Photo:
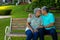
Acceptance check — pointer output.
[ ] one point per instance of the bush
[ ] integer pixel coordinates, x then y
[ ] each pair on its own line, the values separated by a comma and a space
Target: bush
40, 3
5, 10
32, 6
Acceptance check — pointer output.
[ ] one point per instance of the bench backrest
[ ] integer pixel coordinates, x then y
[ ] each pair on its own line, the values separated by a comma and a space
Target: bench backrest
20, 23
57, 23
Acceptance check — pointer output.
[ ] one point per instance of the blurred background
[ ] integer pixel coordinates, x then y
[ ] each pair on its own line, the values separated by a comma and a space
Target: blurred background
21, 9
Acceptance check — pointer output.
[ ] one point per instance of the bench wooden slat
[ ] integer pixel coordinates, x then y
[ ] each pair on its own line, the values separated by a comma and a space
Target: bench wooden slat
19, 19
18, 28
16, 35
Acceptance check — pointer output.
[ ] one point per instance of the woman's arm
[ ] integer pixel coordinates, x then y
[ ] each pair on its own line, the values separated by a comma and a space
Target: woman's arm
28, 25
40, 27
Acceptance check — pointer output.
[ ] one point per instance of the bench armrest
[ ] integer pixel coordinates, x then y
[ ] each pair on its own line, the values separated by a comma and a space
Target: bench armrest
7, 30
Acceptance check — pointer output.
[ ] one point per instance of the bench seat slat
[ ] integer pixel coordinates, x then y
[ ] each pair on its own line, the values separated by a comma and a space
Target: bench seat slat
16, 35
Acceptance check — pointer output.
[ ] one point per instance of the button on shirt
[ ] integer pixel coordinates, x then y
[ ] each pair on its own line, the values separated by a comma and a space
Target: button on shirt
48, 19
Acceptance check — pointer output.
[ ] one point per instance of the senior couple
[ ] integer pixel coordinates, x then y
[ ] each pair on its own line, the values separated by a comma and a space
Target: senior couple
40, 24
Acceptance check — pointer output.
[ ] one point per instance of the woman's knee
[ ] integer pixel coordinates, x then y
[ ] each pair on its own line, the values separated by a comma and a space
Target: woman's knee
35, 33
29, 33
35, 36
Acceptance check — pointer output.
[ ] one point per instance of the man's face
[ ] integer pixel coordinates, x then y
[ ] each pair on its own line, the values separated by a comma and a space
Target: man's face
43, 11
38, 13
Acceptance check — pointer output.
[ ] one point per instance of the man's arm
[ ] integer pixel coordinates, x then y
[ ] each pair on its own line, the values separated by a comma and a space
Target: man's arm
52, 24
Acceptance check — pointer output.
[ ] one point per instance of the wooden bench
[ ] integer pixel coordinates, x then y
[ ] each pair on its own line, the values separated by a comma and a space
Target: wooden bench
20, 24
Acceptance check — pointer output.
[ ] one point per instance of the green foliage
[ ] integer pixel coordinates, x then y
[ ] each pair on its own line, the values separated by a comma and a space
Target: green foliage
5, 12
40, 3
58, 4
15, 1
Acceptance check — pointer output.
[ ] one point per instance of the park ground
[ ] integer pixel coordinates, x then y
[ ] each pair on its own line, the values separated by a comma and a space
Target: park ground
19, 12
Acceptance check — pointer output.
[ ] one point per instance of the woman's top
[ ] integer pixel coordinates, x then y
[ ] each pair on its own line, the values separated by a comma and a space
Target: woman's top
34, 22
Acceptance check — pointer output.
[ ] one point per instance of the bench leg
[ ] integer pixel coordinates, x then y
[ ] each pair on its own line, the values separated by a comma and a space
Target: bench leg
5, 37
9, 38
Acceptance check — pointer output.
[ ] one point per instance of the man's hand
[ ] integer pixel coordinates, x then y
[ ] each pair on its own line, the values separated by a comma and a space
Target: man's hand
50, 25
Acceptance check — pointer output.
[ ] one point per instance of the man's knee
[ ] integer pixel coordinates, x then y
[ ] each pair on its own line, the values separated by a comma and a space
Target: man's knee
41, 30
53, 31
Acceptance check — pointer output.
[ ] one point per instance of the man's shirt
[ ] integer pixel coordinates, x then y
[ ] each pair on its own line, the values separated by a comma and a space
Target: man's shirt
48, 19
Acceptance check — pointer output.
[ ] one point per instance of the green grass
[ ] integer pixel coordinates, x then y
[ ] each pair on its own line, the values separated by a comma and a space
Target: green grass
18, 12
3, 24
23, 38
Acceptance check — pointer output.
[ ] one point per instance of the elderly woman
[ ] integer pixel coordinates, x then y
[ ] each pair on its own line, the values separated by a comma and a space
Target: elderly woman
33, 23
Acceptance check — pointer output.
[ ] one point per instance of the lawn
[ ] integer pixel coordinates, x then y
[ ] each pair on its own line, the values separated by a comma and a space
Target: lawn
17, 12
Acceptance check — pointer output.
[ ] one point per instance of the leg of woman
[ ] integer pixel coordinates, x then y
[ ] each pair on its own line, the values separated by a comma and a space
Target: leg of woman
41, 34
53, 33
35, 36
29, 34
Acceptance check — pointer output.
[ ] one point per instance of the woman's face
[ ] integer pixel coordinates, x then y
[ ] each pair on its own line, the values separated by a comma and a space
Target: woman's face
38, 13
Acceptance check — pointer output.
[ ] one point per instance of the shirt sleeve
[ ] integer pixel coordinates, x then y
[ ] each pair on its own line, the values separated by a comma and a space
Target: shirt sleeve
28, 19
52, 18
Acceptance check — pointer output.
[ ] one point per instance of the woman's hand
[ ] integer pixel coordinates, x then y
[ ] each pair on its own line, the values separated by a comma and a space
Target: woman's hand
40, 27
32, 30
28, 24
35, 30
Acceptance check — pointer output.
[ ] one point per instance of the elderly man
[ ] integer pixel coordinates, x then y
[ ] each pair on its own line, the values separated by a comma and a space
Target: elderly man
48, 26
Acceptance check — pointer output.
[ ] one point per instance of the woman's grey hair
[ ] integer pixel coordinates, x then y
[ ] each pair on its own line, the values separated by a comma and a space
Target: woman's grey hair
36, 9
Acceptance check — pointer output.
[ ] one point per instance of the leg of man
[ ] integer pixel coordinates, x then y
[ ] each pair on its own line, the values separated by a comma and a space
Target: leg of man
53, 33
29, 34
41, 34
35, 36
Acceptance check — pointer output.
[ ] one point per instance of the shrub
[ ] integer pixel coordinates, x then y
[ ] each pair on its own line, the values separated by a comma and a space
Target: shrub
40, 3
5, 10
